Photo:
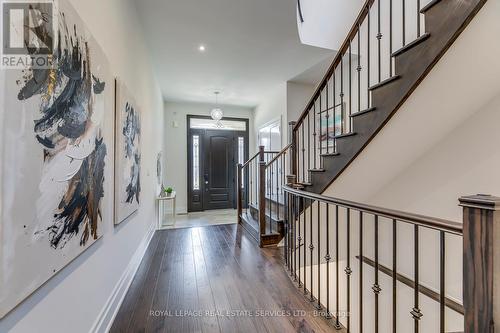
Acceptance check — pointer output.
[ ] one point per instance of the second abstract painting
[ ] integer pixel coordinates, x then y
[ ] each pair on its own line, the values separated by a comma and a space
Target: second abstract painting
127, 154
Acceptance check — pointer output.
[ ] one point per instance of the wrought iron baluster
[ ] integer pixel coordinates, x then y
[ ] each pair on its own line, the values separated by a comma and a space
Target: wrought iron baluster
327, 259
416, 313
376, 287
442, 279
348, 270
394, 276
337, 259
361, 272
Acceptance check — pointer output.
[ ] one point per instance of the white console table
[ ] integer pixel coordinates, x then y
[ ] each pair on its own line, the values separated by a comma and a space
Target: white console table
161, 211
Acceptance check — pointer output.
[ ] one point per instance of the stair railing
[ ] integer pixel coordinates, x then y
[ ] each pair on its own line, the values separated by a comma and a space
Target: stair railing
275, 179
364, 61
336, 248
252, 185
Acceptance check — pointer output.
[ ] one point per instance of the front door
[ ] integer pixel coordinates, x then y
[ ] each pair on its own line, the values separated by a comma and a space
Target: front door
218, 176
212, 158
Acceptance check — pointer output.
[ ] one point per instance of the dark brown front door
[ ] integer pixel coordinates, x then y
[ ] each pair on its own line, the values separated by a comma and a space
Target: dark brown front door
212, 158
218, 176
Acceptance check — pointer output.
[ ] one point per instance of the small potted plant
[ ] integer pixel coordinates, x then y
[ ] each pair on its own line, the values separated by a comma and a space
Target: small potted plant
168, 191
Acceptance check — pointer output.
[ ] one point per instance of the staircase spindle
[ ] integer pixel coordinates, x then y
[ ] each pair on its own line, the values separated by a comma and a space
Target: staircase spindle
350, 86
299, 238
337, 259
342, 118
442, 279
327, 259
318, 305
327, 117
416, 313
314, 135
394, 276
379, 38
390, 38
403, 5
418, 18
360, 272
348, 270
304, 220
376, 287
358, 68
311, 246
368, 59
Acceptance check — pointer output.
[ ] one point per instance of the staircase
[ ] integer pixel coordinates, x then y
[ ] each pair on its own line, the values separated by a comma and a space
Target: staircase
364, 88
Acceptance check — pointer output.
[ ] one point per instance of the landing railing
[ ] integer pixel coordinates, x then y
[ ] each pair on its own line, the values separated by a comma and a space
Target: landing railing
254, 185
364, 61
275, 179
384, 270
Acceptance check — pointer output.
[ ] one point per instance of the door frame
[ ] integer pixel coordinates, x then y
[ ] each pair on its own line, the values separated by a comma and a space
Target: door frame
201, 132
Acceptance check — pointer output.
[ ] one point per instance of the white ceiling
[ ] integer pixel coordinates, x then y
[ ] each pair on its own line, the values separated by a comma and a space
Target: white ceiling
251, 46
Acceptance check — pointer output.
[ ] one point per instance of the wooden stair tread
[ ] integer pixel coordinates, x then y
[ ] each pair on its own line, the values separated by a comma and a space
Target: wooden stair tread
411, 44
359, 113
429, 6
384, 82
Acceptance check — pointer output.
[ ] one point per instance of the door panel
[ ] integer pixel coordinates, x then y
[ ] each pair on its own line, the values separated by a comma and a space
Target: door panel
219, 170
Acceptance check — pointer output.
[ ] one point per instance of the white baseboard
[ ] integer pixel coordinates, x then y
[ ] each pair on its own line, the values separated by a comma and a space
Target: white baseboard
108, 313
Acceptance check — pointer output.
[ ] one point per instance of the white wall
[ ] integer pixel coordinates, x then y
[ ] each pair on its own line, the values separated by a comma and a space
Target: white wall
272, 107
73, 299
298, 95
327, 22
175, 170
286, 101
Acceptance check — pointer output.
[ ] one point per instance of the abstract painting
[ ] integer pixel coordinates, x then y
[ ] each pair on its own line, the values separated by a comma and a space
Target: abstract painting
56, 133
127, 155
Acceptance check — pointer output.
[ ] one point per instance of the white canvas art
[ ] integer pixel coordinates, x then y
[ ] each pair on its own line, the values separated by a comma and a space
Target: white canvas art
127, 155
56, 141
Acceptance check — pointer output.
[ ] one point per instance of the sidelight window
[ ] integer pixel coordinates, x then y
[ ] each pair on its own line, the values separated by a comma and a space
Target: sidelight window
196, 162
241, 155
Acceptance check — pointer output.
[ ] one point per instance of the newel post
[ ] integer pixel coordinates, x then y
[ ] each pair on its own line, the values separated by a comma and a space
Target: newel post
262, 192
239, 193
481, 262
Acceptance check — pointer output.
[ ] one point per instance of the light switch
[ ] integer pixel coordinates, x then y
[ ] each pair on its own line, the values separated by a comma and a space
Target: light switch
175, 124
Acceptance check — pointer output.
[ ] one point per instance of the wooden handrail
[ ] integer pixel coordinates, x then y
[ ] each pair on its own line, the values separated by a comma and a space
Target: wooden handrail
343, 49
250, 160
425, 221
283, 151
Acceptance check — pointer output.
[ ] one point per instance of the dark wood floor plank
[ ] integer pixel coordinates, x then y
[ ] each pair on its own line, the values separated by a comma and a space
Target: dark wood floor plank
141, 313
218, 280
158, 306
206, 303
218, 270
124, 315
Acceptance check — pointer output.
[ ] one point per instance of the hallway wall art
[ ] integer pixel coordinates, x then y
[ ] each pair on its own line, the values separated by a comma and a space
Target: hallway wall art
128, 154
56, 141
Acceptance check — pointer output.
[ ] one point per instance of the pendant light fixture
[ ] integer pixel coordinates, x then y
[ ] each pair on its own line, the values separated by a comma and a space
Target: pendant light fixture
217, 113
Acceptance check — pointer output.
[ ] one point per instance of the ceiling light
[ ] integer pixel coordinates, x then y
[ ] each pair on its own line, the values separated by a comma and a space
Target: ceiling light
201, 48
217, 112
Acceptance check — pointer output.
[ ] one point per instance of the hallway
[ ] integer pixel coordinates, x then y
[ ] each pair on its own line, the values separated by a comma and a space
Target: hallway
213, 279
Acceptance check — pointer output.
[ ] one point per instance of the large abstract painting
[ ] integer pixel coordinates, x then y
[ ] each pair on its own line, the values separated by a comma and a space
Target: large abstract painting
127, 155
56, 132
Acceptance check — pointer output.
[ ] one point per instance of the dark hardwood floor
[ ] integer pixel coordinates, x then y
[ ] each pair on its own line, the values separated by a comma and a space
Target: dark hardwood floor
214, 279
